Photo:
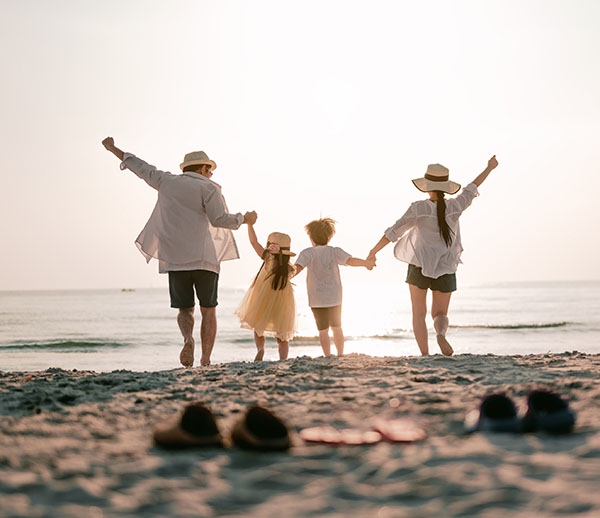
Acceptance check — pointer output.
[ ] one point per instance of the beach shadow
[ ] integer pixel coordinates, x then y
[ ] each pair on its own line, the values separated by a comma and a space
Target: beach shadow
55, 389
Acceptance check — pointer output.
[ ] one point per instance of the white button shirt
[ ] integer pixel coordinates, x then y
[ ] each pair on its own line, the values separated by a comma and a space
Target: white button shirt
189, 228
418, 234
323, 280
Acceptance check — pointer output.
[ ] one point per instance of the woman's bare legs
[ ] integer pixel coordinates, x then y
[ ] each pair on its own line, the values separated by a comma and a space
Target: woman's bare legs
418, 298
338, 340
439, 312
260, 347
325, 341
284, 349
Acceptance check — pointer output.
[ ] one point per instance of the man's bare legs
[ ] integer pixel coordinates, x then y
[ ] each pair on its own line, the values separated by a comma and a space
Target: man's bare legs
185, 321
439, 312
325, 341
208, 333
418, 298
338, 340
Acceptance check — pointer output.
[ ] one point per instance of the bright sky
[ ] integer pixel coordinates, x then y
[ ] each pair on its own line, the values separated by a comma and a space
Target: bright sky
312, 108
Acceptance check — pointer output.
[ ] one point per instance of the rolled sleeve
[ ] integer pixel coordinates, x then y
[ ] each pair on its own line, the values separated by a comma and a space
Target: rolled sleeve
152, 176
216, 210
397, 230
125, 157
468, 194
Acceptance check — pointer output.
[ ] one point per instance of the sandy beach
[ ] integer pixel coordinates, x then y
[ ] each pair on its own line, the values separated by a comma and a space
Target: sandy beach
76, 443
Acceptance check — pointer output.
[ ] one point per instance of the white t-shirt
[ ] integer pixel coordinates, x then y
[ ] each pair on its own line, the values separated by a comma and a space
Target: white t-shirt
323, 280
418, 235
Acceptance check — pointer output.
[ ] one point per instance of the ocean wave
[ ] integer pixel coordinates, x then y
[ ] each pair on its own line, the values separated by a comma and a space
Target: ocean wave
312, 340
61, 344
539, 325
296, 340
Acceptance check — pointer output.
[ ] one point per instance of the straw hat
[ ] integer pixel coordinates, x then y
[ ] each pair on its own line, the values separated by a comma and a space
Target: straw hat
197, 158
436, 179
277, 242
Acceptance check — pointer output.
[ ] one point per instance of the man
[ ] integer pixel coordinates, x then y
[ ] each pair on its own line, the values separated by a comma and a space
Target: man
189, 232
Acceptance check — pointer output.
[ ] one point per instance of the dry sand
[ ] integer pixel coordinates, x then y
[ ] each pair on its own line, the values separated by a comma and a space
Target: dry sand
79, 443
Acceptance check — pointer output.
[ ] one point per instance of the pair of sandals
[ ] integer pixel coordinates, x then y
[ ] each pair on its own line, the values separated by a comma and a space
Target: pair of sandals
258, 429
546, 411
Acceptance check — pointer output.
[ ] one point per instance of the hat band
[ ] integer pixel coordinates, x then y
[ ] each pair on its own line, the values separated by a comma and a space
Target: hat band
286, 248
436, 178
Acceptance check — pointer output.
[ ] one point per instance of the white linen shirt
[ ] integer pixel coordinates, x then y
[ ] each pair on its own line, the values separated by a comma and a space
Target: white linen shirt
323, 281
418, 235
189, 228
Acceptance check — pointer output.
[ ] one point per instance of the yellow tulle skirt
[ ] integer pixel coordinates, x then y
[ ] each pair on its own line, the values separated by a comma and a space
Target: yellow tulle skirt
267, 311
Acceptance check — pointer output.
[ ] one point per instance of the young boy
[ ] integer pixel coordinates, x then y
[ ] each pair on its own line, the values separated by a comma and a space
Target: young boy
323, 281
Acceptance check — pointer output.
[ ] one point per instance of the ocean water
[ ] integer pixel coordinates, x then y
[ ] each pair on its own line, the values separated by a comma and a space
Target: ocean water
106, 330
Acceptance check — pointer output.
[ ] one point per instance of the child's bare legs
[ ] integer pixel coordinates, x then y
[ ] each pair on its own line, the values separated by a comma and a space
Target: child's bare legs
338, 340
260, 347
439, 312
325, 341
185, 321
284, 349
418, 298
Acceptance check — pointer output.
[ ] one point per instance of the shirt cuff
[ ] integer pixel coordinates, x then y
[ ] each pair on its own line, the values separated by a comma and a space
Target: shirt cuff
125, 157
472, 187
391, 235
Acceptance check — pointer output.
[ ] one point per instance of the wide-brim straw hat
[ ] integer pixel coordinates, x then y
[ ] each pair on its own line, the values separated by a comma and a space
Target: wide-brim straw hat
436, 179
197, 158
283, 241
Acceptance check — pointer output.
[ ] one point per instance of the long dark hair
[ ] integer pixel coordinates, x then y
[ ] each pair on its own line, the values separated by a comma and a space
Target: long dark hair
280, 271
445, 230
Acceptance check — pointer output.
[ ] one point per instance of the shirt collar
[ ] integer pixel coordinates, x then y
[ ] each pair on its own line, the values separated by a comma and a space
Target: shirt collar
198, 176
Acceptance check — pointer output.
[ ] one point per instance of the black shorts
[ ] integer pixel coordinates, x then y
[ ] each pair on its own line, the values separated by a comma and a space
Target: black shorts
445, 283
182, 285
328, 317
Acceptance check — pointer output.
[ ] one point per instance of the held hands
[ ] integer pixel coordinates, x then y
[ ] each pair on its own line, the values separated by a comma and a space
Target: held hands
250, 217
370, 263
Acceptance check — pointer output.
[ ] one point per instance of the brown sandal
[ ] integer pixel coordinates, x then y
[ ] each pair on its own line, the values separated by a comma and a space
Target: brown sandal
196, 428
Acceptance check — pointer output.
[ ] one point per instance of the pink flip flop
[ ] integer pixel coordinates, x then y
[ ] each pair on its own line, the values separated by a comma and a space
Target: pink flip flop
400, 429
347, 436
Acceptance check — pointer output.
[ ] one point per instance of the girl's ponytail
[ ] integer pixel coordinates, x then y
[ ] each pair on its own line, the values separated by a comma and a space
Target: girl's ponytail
445, 230
280, 271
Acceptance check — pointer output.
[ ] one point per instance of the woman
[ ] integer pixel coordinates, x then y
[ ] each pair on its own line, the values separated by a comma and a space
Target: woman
428, 238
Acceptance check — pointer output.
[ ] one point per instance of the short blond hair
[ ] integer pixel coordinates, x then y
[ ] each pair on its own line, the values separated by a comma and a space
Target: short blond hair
321, 230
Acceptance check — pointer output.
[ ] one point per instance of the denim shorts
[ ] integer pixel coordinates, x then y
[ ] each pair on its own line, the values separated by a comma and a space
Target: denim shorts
446, 283
182, 285
328, 317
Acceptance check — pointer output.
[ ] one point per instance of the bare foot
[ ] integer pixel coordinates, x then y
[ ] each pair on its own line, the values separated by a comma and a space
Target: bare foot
259, 355
445, 347
186, 356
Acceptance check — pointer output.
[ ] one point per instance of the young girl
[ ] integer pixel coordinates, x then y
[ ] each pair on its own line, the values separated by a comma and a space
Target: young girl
268, 307
428, 238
